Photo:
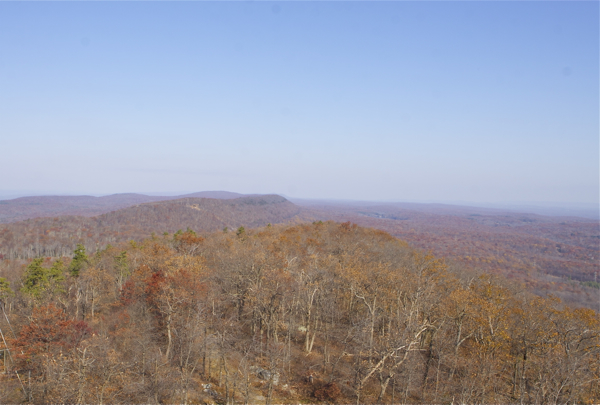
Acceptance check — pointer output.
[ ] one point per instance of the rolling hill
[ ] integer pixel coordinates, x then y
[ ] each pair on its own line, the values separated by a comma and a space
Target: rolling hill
23, 208
58, 236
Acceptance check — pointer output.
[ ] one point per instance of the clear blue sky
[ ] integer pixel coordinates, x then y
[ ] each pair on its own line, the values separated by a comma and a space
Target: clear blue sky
434, 101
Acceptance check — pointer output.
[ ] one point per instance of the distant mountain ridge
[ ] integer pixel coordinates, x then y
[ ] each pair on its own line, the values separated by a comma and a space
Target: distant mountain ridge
202, 214
23, 208
57, 236
219, 195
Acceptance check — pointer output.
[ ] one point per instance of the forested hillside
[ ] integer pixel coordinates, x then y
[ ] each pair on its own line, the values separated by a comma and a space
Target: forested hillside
20, 209
550, 255
321, 312
58, 236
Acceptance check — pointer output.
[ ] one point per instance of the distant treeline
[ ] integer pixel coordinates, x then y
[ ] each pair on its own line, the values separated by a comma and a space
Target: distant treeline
58, 236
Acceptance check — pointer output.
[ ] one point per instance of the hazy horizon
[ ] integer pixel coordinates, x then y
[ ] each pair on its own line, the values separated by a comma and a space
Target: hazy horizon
553, 208
472, 102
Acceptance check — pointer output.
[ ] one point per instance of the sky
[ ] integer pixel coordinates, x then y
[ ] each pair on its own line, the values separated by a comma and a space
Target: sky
480, 102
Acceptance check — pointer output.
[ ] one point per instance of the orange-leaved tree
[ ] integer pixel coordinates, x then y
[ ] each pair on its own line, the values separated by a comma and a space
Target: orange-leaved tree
43, 348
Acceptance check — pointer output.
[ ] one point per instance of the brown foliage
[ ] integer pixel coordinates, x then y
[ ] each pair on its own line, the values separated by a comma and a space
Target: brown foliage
328, 393
374, 319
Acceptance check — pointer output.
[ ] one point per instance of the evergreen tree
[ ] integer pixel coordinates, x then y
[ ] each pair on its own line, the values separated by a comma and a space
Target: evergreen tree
36, 278
80, 260
5, 290
39, 278
55, 276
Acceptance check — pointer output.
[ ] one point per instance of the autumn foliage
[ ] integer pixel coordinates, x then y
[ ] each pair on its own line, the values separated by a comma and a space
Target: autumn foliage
325, 312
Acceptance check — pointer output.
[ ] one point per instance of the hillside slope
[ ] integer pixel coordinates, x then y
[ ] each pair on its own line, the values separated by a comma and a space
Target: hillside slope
58, 236
20, 209
551, 255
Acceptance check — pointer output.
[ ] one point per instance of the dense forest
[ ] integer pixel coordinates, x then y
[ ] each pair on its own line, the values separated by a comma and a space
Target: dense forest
324, 312
58, 236
550, 255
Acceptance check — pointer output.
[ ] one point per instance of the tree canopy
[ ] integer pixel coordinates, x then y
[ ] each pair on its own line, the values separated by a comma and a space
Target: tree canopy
322, 312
